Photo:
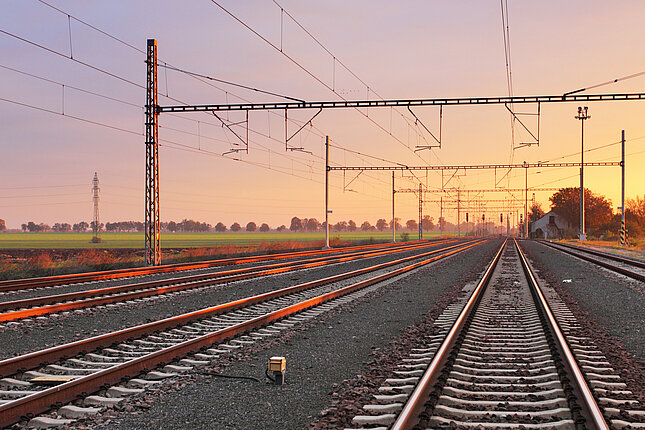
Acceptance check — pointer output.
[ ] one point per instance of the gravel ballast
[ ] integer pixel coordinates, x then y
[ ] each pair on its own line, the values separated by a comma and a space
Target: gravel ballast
607, 305
324, 357
23, 336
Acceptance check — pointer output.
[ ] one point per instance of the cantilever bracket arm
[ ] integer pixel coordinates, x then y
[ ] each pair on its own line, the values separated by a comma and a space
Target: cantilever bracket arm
287, 139
516, 117
349, 183
418, 121
229, 127
443, 184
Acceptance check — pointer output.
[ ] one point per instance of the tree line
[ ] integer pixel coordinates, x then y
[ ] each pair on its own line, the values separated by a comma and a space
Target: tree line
312, 225
189, 225
600, 219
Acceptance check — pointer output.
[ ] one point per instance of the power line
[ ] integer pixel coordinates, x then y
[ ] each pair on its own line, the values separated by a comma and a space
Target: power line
94, 28
196, 76
83, 63
307, 71
22, 72
53, 51
113, 127
613, 81
210, 78
42, 186
334, 57
41, 195
89, 121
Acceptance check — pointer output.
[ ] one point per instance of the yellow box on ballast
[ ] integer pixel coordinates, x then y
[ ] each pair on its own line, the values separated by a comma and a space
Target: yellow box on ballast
277, 364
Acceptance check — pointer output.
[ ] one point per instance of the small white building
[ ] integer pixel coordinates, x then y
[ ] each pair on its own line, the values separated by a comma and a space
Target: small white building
550, 226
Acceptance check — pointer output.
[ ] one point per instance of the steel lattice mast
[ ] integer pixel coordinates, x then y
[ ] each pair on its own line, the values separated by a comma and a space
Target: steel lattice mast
152, 224
95, 197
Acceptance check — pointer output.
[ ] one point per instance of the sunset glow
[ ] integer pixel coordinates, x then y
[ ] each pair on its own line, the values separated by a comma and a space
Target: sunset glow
72, 104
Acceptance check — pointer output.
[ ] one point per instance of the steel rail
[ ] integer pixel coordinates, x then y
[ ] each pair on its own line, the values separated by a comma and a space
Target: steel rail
83, 299
42, 401
28, 283
608, 255
415, 404
28, 361
408, 417
584, 396
41, 300
606, 265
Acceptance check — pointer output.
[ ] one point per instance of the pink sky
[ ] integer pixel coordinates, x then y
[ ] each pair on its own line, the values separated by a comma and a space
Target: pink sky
420, 50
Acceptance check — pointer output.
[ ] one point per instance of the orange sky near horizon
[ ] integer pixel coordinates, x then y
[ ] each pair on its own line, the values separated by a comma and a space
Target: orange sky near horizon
422, 50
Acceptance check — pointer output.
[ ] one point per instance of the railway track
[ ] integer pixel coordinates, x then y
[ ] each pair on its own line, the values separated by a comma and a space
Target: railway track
76, 278
86, 366
503, 357
630, 267
13, 310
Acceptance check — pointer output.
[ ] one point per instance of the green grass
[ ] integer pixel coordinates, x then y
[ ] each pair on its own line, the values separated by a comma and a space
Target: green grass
179, 240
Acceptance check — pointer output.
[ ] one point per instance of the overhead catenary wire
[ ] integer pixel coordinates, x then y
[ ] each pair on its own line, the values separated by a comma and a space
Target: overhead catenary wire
602, 84
358, 154
138, 133
307, 71
80, 89
337, 60
76, 60
222, 81
83, 90
165, 64
96, 68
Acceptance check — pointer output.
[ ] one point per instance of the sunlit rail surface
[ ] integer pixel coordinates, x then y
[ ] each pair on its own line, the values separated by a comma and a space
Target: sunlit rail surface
46, 304
630, 267
504, 357
93, 363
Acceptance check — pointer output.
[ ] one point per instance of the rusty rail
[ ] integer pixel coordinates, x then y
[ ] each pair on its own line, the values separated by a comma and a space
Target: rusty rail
585, 399
83, 299
634, 275
39, 402
415, 404
74, 278
408, 417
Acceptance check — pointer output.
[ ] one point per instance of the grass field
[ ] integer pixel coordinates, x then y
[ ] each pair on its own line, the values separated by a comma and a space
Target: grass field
179, 240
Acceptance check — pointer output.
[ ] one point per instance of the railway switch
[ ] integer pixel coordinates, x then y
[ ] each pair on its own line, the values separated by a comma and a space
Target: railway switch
277, 366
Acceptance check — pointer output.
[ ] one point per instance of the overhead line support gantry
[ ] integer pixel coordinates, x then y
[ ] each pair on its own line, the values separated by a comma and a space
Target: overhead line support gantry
152, 220
403, 102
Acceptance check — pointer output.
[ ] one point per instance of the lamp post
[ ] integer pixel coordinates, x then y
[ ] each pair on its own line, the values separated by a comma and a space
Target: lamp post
582, 116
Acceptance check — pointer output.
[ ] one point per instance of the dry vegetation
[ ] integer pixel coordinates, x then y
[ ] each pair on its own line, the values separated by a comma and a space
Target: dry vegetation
18, 263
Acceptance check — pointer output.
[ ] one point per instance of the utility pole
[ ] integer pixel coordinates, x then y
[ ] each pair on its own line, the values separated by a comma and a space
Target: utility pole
95, 197
526, 202
393, 219
582, 116
420, 212
623, 227
326, 193
441, 217
152, 221
458, 217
